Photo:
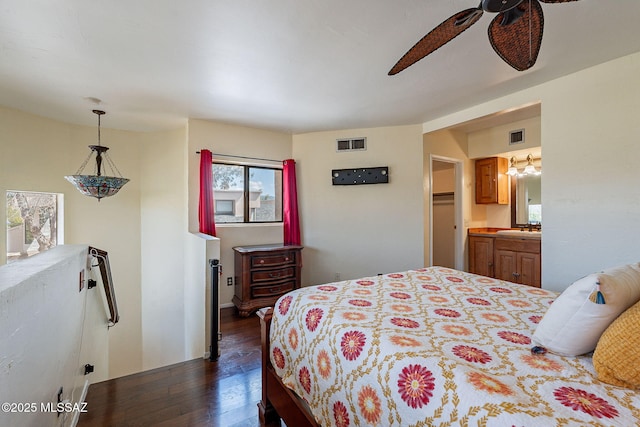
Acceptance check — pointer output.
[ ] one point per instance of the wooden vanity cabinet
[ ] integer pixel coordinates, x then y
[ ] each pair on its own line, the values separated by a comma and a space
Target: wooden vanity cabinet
518, 261
481, 255
263, 273
492, 182
514, 259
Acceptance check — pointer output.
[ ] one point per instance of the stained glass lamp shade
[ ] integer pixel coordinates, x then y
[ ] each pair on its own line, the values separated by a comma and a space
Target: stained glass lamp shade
98, 185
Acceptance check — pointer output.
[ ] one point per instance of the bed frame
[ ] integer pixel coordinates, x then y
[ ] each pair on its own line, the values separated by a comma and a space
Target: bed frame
278, 402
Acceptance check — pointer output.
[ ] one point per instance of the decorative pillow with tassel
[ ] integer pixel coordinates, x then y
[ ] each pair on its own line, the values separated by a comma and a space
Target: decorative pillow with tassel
575, 321
617, 359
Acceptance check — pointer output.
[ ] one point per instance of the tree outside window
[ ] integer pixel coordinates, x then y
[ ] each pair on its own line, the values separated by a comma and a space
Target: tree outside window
32, 223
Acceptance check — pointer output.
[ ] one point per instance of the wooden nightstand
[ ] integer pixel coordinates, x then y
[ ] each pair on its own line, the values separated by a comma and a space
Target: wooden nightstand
263, 273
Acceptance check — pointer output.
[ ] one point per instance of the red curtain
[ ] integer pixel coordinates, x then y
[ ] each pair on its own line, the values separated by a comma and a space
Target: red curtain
205, 205
290, 201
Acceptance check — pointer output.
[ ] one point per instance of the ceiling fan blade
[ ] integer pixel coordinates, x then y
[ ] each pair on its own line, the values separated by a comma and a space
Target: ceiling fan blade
437, 37
556, 1
518, 43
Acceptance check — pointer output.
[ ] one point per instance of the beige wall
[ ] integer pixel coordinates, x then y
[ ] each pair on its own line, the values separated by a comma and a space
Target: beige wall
444, 180
173, 293
589, 134
494, 141
237, 141
37, 153
360, 230
453, 145
143, 228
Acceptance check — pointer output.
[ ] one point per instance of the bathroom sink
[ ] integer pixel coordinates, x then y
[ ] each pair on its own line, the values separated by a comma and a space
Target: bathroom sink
519, 233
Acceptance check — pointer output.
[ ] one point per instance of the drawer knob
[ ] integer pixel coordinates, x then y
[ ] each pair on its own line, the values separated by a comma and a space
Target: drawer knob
286, 258
261, 261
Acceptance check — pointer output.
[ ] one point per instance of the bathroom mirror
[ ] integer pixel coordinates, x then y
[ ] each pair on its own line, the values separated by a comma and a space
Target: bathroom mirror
526, 201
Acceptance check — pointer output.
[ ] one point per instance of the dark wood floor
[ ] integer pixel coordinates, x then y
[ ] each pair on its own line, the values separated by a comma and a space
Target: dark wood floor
194, 393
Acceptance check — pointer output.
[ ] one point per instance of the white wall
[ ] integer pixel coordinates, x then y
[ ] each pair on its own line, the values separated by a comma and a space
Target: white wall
589, 134
590, 191
360, 230
49, 329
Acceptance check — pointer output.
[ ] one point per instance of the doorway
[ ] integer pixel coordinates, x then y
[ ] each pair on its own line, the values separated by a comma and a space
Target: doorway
445, 208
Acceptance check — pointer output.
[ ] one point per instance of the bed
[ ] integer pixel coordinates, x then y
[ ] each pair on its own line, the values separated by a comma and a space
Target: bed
426, 347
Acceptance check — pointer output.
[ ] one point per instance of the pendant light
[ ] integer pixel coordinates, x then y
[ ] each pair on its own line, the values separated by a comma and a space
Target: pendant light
98, 185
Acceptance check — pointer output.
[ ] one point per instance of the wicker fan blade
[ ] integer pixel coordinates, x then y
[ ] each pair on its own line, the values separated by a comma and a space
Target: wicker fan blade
519, 42
437, 37
556, 1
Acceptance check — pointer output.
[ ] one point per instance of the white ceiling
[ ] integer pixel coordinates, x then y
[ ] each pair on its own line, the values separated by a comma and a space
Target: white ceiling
290, 65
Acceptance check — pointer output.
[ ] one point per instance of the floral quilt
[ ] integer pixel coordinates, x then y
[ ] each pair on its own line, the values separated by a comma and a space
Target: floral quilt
434, 347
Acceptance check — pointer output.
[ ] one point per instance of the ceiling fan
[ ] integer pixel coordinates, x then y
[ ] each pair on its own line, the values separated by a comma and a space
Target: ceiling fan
515, 33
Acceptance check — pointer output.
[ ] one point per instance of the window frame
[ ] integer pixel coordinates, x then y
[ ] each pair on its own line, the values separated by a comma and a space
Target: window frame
246, 192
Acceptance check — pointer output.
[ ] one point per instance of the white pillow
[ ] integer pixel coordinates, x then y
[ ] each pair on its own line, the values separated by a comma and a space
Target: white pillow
574, 322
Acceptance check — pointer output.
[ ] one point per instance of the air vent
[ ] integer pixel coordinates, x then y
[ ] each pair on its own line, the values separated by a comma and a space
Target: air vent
352, 144
516, 137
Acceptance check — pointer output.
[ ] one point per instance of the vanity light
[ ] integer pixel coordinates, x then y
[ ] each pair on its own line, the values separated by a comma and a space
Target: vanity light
530, 169
513, 170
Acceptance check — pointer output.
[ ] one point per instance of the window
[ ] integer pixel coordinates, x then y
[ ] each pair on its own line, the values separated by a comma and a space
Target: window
33, 223
224, 207
535, 214
246, 194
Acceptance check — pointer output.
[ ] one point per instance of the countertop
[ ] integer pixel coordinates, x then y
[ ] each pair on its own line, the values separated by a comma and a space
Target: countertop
512, 234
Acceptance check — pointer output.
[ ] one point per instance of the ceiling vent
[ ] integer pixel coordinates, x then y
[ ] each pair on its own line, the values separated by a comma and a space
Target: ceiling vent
352, 144
516, 136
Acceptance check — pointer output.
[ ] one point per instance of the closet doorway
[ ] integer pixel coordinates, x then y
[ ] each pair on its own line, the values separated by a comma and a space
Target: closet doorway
446, 212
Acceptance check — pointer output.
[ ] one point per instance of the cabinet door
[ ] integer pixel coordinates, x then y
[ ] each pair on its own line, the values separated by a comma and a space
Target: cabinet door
507, 265
481, 255
492, 183
529, 269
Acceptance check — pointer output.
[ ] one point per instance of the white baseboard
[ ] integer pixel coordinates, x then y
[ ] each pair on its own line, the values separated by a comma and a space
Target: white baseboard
83, 396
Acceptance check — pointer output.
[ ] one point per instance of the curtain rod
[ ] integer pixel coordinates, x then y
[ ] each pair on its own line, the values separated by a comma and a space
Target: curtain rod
244, 157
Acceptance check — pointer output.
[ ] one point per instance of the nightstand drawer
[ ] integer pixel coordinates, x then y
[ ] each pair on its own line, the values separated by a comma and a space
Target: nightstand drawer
263, 273
268, 260
269, 291
271, 275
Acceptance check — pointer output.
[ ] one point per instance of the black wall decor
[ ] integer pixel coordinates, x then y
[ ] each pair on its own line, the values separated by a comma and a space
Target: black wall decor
379, 175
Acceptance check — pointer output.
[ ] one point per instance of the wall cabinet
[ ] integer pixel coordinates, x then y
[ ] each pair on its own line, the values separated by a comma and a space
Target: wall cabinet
263, 273
514, 259
492, 182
